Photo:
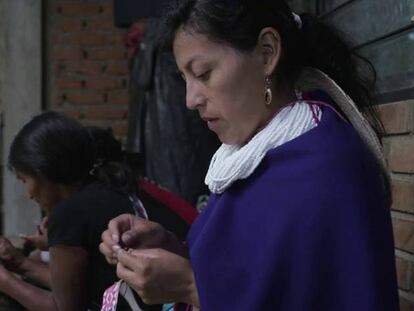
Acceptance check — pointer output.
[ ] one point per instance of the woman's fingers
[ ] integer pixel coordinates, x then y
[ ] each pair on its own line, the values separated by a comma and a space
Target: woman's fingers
37, 240
11, 256
30, 237
129, 231
126, 270
43, 226
137, 269
119, 225
107, 238
133, 259
157, 275
107, 247
6, 248
110, 256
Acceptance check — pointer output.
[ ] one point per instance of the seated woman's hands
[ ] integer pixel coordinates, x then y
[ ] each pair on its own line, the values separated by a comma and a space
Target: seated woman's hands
131, 232
39, 238
11, 257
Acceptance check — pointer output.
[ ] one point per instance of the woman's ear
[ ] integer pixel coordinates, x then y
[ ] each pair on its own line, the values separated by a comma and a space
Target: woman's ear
269, 47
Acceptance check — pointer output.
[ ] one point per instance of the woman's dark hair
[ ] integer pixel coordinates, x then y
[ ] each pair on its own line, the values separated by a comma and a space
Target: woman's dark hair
63, 151
238, 23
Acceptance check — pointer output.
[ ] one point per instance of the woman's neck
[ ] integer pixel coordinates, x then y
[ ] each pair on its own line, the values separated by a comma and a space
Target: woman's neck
278, 103
66, 191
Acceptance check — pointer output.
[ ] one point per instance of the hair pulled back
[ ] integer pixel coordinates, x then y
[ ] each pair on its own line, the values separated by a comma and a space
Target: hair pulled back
238, 24
63, 151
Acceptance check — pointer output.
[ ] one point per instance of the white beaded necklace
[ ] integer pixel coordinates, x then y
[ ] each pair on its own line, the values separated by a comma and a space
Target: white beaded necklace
234, 162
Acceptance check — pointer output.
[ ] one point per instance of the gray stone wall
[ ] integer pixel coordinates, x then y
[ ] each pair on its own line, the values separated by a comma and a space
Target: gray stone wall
20, 98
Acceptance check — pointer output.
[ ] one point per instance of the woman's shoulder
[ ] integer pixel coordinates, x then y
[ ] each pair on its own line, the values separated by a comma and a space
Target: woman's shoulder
88, 211
95, 196
328, 165
333, 147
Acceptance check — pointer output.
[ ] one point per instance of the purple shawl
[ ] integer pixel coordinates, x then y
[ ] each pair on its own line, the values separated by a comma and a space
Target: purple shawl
309, 230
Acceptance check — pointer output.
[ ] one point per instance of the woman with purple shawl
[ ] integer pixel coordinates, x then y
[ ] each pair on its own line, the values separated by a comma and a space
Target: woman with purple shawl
298, 218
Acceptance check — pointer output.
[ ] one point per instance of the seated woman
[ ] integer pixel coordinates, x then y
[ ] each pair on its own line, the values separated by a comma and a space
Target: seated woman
76, 176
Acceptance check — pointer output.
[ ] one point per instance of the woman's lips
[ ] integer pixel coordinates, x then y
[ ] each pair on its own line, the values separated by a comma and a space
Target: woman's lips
211, 122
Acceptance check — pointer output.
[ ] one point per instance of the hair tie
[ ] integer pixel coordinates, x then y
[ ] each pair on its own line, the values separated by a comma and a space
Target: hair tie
98, 164
298, 20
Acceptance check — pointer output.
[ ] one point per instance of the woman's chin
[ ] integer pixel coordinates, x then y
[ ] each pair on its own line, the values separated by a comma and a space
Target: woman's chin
231, 140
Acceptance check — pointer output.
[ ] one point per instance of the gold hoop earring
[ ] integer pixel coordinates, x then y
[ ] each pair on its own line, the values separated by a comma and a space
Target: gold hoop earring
268, 96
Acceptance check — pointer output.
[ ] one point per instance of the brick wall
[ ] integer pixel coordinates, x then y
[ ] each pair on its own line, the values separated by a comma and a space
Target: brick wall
398, 119
87, 63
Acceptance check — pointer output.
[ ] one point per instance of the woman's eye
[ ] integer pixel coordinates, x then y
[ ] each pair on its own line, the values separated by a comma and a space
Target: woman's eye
204, 76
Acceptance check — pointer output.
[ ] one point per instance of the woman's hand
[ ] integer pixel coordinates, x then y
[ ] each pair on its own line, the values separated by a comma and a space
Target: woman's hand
131, 232
38, 239
10, 256
158, 276
5, 276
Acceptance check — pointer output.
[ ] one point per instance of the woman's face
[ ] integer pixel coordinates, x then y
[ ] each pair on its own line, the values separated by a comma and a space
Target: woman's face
224, 85
44, 192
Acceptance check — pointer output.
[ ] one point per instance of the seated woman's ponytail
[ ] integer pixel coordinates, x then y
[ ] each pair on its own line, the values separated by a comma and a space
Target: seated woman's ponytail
108, 165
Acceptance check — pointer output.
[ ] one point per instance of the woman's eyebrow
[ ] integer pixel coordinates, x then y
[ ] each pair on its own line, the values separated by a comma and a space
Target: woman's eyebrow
190, 63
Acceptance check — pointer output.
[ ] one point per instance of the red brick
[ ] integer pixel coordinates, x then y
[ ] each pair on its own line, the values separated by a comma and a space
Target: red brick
78, 8
118, 68
103, 84
69, 84
106, 114
403, 195
86, 38
100, 24
63, 53
402, 273
118, 97
76, 114
107, 9
57, 101
84, 67
103, 53
401, 154
120, 130
84, 98
54, 37
398, 117
404, 234
71, 24
105, 124
117, 39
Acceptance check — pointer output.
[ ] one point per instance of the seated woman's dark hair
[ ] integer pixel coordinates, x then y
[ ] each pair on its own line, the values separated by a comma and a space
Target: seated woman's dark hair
237, 23
63, 151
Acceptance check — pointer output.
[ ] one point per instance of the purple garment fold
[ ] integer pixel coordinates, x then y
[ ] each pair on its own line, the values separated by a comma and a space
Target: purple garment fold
309, 230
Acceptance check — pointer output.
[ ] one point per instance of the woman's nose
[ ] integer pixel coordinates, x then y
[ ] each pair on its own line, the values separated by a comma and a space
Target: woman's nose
30, 193
194, 96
